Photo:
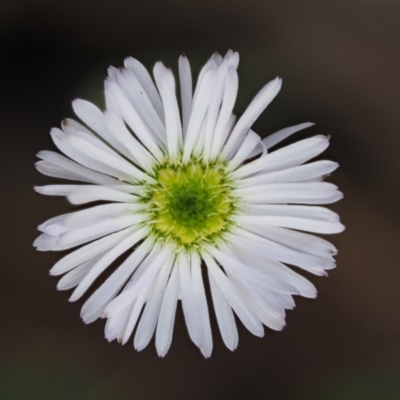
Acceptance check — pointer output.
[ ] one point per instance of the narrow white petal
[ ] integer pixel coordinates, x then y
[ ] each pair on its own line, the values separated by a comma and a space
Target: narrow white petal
136, 151
91, 116
258, 304
292, 223
99, 155
235, 299
306, 172
287, 157
166, 319
89, 251
214, 107
94, 306
276, 270
277, 137
133, 119
250, 275
225, 115
86, 234
147, 83
134, 316
212, 64
200, 105
140, 281
49, 169
59, 139
306, 212
71, 166
250, 142
115, 325
106, 260
185, 80
74, 277
166, 86
253, 111
45, 242
189, 303
295, 193
259, 149
300, 241
139, 99
148, 321
84, 195
275, 251
57, 190
81, 218
61, 224
200, 295
224, 314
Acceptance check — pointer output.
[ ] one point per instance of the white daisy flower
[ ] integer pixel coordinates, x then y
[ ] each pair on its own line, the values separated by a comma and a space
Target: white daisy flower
182, 193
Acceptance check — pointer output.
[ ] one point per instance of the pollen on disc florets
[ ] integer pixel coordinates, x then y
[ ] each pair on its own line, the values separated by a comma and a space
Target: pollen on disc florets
191, 203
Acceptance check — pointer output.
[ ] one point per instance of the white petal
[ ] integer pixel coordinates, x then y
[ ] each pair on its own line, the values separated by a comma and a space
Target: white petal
300, 241
224, 314
214, 107
74, 277
250, 275
61, 224
86, 234
200, 295
136, 151
287, 157
92, 117
225, 115
106, 260
49, 169
200, 105
250, 142
94, 306
253, 111
145, 80
148, 321
139, 99
260, 307
166, 86
115, 325
276, 270
306, 212
89, 251
141, 280
59, 139
134, 316
97, 154
57, 190
85, 194
277, 137
189, 303
166, 319
235, 299
295, 193
277, 252
306, 172
133, 119
185, 80
68, 165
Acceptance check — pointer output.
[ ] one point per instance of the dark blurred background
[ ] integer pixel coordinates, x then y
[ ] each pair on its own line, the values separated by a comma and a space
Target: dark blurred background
340, 63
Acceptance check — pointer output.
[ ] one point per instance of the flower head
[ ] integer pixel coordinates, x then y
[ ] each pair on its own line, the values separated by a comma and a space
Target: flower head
186, 195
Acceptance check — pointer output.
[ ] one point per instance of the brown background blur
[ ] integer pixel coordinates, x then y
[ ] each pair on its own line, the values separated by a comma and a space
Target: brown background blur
340, 63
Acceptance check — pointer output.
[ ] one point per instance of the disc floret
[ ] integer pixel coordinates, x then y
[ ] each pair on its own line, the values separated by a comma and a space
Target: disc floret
191, 203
